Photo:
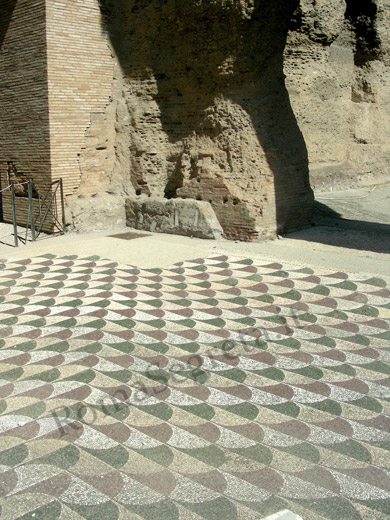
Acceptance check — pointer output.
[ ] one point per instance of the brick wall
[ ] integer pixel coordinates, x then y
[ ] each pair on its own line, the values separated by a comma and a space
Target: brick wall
56, 70
242, 218
80, 75
24, 118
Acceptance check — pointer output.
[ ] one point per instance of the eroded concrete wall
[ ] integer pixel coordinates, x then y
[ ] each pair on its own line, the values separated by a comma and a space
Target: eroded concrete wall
338, 77
201, 110
189, 99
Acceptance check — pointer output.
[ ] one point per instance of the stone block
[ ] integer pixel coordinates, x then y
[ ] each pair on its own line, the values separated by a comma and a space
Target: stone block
177, 216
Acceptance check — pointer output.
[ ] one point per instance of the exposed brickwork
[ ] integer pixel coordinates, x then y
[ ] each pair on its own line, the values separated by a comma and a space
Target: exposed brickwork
55, 71
189, 99
24, 118
236, 215
171, 114
80, 73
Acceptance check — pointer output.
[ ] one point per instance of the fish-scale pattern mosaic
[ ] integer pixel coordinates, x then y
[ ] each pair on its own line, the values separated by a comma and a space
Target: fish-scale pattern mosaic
221, 388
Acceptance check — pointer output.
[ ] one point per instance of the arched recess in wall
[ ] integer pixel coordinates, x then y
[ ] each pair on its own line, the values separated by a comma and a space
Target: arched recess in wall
362, 14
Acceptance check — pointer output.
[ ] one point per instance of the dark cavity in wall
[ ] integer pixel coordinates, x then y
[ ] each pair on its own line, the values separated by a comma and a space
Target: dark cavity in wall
362, 14
175, 181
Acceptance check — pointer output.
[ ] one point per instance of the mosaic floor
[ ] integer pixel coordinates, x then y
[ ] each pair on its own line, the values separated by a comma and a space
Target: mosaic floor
217, 389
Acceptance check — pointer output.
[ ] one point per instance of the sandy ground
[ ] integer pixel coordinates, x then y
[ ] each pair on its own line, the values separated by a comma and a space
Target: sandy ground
351, 232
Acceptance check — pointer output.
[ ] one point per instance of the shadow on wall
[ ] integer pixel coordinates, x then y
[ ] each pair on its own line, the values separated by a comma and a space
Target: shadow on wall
6, 11
198, 51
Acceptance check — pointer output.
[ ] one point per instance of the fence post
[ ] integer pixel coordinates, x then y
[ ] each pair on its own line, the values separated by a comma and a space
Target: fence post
62, 205
31, 209
14, 214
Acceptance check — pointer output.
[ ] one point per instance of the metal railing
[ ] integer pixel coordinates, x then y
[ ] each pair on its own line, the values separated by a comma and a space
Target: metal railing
47, 207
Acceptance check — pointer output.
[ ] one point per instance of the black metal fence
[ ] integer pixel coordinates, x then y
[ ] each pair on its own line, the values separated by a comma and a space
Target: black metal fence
47, 208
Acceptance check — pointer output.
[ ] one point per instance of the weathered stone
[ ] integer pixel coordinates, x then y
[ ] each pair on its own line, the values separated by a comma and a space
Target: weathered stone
176, 216
337, 60
224, 101
95, 213
202, 96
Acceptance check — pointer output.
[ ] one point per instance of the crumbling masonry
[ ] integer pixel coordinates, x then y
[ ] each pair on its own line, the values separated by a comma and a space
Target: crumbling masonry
134, 103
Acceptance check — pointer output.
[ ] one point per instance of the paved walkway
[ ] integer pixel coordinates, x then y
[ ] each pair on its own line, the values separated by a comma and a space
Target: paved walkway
221, 387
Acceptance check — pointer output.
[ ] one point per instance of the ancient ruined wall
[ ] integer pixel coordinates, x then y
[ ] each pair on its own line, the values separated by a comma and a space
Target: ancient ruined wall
203, 111
24, 119
338, 77
218, 101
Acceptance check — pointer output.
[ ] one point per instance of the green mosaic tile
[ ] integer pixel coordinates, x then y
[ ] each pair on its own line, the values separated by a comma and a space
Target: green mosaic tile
289, 408
215, 509
204, 411
259, 453
366, 310
211, 455
310, 371
161, 455
378, 366
369, 403
8, 322
382, 506
34, 411
272, 373
47, 376
353, 449
86, 376
165, 510
115, 457
343, 369
94, 348
332, 508
292, 295
246, 410
328, 406
63, 458
12, 375
235, 374
14, 456
161, 410
304, 451
289, 342
377, 282
99, 512
280, 274
359, 339
320, 289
